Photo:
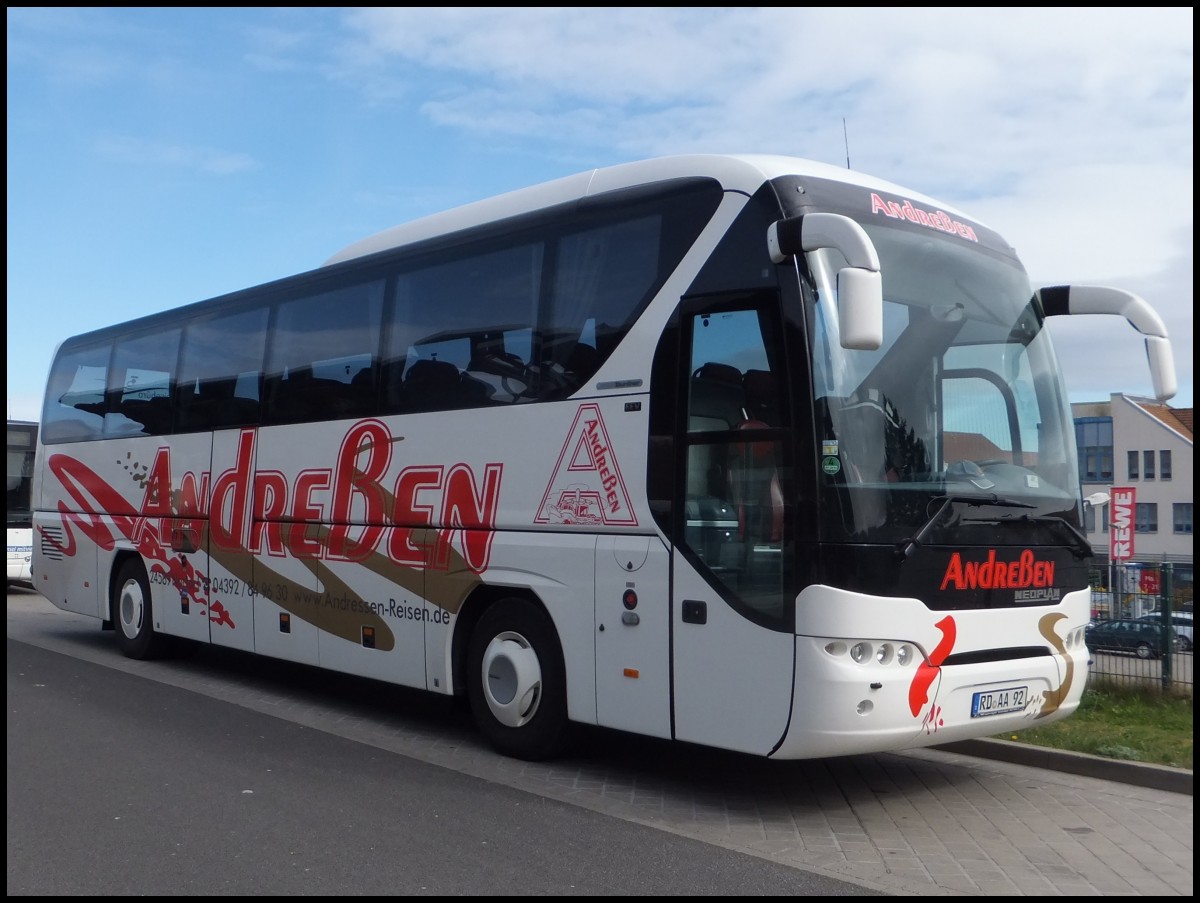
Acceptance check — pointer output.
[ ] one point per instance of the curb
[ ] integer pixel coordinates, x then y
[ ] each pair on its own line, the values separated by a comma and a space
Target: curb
1157, 777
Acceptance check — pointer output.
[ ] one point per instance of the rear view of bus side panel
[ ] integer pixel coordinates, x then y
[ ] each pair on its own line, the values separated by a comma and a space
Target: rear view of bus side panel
74, 547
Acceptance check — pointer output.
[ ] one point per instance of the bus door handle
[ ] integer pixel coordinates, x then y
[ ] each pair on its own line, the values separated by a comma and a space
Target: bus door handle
185, 539
695, 612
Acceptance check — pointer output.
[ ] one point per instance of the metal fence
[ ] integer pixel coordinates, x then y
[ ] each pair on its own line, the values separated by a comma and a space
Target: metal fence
1172, 672
1167, 660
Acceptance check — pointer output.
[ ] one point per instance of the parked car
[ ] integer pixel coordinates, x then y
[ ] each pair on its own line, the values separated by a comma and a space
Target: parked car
1181, 621
1135, 635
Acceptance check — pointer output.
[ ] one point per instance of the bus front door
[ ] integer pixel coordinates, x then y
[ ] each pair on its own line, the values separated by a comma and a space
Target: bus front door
732, 639
732, 676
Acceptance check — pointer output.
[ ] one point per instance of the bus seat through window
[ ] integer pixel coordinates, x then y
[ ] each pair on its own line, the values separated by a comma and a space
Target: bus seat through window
716, 398
433, 385
754, 487
761, 402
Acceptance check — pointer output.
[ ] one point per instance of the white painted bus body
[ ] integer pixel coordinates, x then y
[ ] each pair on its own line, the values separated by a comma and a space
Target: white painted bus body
270, 539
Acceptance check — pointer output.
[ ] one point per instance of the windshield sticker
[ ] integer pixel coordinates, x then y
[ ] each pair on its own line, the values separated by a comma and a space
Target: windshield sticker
831, 464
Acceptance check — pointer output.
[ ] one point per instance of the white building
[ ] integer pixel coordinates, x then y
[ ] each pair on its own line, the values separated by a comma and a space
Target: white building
1146, 446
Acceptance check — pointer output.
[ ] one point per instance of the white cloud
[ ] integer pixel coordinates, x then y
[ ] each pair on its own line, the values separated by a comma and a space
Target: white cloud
1070, 131
1106, 219
148, 153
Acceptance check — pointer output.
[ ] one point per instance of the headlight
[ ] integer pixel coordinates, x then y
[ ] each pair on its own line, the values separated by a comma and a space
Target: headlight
874, 653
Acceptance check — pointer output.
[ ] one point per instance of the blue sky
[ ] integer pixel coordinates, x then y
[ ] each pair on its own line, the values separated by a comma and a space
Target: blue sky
161, 156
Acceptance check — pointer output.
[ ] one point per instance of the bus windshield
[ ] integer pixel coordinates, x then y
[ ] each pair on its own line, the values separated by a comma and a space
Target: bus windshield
962, 401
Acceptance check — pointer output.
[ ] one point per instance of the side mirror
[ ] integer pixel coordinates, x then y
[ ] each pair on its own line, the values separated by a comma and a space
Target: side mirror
859, 285
860, 308
1060, 300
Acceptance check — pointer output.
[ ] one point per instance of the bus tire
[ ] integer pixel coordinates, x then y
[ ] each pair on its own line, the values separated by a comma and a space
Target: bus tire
516, 681
132, 613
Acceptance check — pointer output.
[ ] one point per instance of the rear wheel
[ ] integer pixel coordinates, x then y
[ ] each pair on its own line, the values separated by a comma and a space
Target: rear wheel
1143, 650
516, 681
132, 614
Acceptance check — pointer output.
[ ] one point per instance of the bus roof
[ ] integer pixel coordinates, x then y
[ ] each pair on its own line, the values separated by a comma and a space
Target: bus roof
735, 172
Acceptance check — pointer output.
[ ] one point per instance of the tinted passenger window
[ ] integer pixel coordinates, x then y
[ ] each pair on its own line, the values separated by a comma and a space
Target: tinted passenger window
140, 381
220, 371
604, 278
323, 355
454, 341
532, 316
73, 409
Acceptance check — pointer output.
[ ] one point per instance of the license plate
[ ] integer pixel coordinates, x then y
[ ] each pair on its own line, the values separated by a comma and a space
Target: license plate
998, 702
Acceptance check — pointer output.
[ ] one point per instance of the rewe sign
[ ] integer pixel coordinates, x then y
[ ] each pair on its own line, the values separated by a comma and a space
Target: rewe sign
1122, 508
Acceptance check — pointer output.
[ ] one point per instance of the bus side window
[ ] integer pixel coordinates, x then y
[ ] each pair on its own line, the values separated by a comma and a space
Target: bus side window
200, 404
140, 383
471, 312
73, 410
320, 342
220, 371
604, 275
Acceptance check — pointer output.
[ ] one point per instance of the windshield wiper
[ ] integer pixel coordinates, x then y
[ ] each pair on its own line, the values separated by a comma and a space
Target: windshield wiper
907, 546
1082, 549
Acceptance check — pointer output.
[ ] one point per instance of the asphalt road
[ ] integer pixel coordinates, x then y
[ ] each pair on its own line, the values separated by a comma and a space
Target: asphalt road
121, 785
220, 773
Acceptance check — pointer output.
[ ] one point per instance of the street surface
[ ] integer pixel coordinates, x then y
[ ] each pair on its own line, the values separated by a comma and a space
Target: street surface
220, 773
118, 785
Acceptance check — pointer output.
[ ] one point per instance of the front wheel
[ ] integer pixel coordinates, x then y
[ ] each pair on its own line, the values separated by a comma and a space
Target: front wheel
1143, 650
516, 681
132, 613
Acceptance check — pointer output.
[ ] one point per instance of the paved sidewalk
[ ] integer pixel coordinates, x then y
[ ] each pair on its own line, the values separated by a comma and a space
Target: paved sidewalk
1161, 777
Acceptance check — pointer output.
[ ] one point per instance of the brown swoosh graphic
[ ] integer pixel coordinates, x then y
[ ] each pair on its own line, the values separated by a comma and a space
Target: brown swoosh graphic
1054, 698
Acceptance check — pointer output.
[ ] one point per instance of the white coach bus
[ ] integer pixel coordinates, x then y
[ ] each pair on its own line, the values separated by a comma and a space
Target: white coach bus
749, 452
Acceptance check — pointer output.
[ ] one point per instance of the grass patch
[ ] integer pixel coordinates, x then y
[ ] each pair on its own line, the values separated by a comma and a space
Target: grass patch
1119, 721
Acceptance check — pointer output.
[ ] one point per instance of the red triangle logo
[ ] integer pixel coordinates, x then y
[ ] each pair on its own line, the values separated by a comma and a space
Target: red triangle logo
586, 487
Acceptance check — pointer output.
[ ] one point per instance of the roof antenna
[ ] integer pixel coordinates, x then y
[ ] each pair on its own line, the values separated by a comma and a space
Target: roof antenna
846, 138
